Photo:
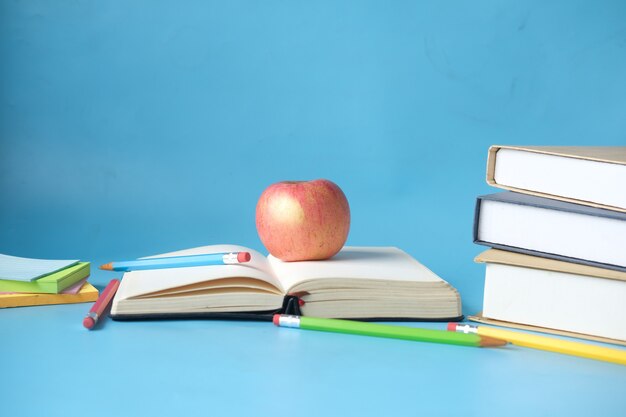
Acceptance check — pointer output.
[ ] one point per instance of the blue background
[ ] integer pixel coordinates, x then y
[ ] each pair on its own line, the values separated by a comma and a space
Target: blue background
130, 128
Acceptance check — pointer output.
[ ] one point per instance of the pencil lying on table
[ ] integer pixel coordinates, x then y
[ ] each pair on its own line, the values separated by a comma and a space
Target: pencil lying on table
95, 313
385, 330
224, 258
552, 344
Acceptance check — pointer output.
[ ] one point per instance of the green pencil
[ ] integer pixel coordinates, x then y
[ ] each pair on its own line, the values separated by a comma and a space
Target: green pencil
384, 330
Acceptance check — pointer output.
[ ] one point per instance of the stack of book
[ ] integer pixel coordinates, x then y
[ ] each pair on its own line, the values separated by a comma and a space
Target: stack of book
30, 282
558, 262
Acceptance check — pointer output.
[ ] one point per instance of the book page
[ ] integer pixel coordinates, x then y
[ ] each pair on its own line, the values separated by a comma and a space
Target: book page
366, 263
137, 283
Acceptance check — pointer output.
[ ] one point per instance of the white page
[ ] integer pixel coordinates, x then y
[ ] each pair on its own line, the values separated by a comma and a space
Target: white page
137, 283
27, 269
367, 263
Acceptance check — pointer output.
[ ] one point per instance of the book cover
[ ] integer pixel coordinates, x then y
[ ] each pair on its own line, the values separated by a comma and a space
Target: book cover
498, 256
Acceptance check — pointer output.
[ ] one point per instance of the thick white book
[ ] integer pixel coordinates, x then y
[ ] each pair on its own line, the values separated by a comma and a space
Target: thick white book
589, 175
554, 295
552, 229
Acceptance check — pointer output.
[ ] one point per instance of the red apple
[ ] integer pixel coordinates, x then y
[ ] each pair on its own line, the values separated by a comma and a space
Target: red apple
303, 220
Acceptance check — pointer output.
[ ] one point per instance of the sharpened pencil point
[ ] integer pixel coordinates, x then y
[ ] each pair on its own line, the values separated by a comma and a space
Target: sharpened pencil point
486, 341
107, 267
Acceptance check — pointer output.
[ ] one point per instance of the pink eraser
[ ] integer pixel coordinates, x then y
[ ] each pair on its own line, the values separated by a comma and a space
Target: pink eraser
452, 327
276, 319
243, 257
89, 322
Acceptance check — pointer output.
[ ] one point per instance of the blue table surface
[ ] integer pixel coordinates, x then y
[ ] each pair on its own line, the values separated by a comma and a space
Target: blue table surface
53, 366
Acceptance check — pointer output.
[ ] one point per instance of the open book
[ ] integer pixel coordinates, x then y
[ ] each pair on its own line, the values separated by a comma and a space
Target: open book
359, 282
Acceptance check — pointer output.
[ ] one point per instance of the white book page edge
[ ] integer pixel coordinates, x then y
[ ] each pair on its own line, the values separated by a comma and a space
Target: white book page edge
556, 300
597, 182
562, 233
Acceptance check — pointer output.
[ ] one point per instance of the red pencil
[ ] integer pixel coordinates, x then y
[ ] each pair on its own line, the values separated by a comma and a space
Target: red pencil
101, 304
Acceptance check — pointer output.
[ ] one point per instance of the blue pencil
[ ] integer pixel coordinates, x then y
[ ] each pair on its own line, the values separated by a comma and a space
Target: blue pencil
224, 258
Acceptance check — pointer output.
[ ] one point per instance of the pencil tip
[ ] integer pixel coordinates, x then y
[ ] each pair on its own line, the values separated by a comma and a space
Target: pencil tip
107, 267
486, 341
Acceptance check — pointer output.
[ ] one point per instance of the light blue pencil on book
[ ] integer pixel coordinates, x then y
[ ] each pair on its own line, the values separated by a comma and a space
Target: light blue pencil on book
224, 258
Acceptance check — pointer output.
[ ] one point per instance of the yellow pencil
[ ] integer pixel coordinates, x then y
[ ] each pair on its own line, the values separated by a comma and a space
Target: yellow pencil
551, 344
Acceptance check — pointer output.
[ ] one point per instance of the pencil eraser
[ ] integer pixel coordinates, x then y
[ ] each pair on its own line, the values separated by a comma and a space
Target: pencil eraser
452, 327
89, 322
276, 319
243, 257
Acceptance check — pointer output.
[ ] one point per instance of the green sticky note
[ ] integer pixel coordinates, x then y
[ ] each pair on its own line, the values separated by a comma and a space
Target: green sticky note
52, 284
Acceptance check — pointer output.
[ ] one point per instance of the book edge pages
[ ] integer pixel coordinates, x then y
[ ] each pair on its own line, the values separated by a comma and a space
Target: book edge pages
430, 278
491, 169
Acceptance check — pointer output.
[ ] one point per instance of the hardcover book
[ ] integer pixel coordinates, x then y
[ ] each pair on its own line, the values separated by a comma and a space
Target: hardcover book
358, 283
589, 175
551, 229
554, 296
